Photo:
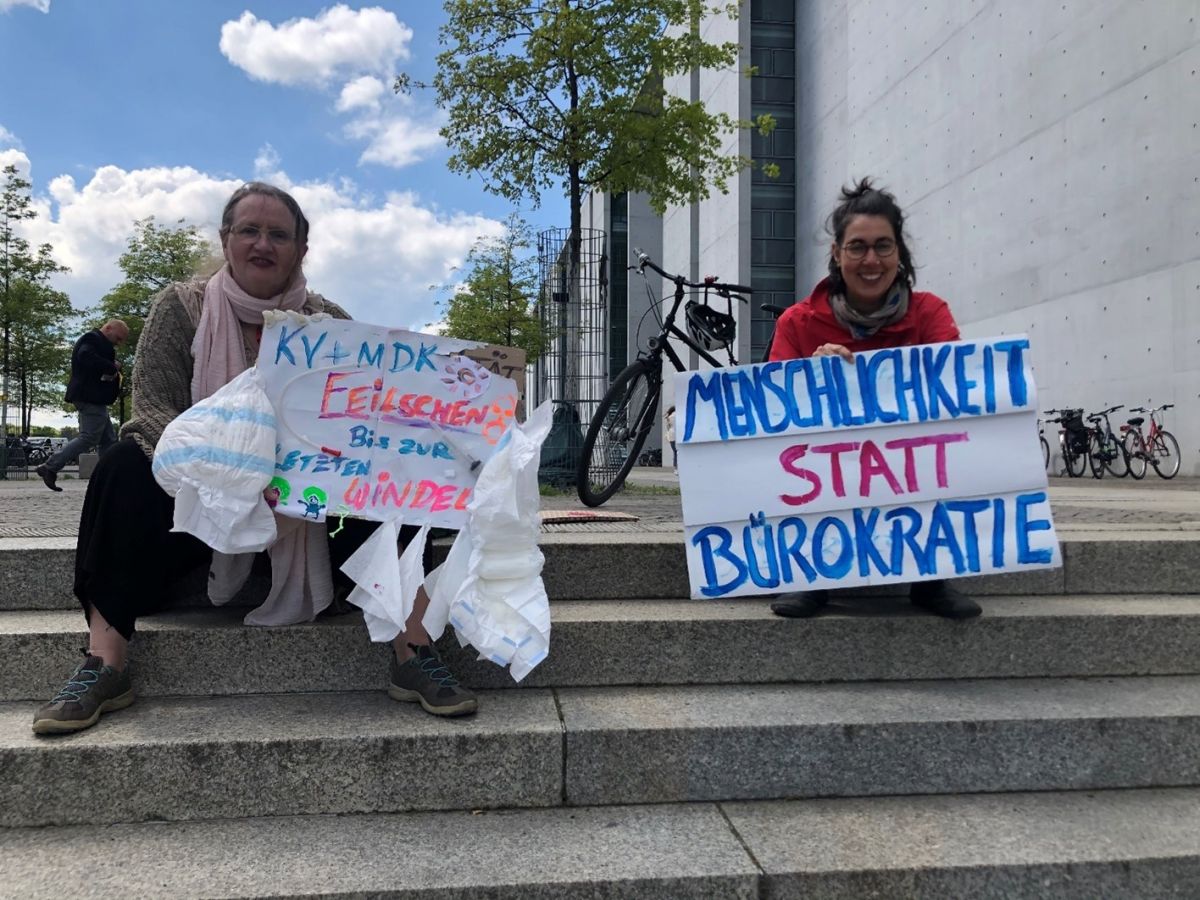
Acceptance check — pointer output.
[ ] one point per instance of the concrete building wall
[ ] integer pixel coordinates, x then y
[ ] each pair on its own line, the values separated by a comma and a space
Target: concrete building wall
1048, 158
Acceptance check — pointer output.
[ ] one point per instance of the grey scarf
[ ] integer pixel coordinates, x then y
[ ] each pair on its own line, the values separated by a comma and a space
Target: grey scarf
863, 325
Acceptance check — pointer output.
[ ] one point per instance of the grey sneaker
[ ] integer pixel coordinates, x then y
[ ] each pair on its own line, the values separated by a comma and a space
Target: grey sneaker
91, 691
424, 679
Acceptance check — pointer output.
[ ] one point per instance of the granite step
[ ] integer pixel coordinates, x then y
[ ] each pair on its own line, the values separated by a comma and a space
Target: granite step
36, 573
611, 642
299, 754
760, 742
1078, 845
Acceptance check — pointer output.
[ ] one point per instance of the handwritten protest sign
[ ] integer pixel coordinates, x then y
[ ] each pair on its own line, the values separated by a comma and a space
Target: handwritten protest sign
380, 423
911, 463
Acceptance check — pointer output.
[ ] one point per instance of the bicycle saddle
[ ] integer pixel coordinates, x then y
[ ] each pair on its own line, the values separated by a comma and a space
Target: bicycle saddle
1138, 421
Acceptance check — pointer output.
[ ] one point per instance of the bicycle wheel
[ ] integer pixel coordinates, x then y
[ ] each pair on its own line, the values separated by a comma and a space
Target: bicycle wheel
1075, 462
1045, 451
617, 431
1137, 455
1095, 455
1116, 457
38, 455
1166, 455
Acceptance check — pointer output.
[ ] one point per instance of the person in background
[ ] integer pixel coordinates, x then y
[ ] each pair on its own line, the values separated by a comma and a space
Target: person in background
671, 438
198, 337
94, 384
867, 302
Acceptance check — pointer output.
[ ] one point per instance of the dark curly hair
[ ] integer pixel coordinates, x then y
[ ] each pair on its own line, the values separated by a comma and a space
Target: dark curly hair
864, 199
266, 190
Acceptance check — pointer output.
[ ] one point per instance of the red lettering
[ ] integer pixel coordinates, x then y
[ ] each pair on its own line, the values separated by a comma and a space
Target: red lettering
939, 441
835, 452
442, 498
871, 463
356, 403
392, 495
477, 416
424, 494
457, 416
331, 379
787, 459
356, 496
463, 497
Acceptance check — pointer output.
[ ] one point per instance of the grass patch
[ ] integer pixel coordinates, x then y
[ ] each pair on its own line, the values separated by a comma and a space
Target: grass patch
661, 490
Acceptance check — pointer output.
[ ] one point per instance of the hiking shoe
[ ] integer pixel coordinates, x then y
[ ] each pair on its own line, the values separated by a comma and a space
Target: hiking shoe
943, 600
51, 478
800, 604
93, 690
424, 678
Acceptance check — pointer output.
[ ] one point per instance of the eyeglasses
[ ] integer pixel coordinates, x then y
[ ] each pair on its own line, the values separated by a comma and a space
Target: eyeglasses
249, 234
883, 247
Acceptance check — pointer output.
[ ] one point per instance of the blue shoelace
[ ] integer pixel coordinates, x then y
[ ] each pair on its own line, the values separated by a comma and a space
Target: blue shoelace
67, 694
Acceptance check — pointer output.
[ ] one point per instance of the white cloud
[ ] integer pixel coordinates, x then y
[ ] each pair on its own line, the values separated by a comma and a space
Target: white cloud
315, 51
7, 138
361, 93
374, 257
14, 157
395, 141
39, 5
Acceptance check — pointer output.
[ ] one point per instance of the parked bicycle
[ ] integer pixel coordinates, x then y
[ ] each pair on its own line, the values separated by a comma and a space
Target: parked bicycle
23, 453
628, 411
1157, 448
1105, 449
651, 457
1073, 439
1045, 444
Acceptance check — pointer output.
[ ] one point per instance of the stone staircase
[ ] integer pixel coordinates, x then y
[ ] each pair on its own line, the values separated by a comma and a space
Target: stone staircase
667, 748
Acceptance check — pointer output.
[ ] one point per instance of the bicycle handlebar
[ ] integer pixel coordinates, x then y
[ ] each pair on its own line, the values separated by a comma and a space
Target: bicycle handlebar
710, 281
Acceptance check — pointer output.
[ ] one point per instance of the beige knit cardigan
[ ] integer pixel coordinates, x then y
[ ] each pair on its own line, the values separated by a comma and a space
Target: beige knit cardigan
162, 366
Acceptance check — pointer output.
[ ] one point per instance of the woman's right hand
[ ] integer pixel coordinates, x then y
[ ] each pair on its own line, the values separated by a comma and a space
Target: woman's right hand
835, 350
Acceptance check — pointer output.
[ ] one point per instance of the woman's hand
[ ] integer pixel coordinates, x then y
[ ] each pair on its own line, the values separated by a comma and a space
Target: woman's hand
834, 350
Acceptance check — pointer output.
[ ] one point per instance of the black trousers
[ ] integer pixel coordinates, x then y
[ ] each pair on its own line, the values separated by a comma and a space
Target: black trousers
127, 556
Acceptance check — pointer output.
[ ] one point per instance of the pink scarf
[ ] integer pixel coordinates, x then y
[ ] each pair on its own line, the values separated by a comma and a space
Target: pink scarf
218, 347
301, 582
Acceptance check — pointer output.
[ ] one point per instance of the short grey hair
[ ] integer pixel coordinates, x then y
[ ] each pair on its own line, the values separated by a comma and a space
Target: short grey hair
266, 190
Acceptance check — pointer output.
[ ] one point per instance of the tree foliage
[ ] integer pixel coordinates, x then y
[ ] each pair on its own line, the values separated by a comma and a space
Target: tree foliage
571, 92
33, 315
496, 301
156, 256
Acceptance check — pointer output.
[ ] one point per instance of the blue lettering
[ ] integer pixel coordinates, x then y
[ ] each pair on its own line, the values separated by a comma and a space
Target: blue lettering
864, 542
282, 349
910, 383
841, 565
790, 551
759, 535
738, 411
969, 509
763, 378
964, 384
358, 435
710, 391
1024, 526
941, 534
310, 350
989, 379
838, 372
935, 359
998, 533
709, 553
1018, 390
902, 538
871, 379
423, 360
397, 348
337, 354
365, 356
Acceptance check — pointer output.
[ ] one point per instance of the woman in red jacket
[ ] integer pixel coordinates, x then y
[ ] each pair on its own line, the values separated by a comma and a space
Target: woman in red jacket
867, 303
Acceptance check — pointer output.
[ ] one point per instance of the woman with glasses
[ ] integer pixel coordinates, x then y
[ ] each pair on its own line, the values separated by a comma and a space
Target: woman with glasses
198, 337
867, 302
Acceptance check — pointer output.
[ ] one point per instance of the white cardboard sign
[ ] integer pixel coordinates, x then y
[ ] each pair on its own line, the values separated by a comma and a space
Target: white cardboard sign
909, 464
379, 423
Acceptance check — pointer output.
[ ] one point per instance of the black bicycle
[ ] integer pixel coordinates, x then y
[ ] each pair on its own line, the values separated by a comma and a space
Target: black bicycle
1105, 449
1073, 439
627, 412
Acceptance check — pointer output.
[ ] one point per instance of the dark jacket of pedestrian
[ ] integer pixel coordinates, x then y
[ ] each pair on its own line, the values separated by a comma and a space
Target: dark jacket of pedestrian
93, 358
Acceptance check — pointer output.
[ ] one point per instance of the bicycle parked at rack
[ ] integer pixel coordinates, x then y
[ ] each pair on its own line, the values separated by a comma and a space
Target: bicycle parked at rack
1045, 444
1073, 439
1105, 449
627, 412
1158, 448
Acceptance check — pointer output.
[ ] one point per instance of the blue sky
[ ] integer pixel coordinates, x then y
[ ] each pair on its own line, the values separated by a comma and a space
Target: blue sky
121, 109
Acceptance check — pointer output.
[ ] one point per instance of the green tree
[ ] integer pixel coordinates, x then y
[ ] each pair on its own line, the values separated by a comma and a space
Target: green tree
16, 262
40, 344
570, 93
495, 302
156, 256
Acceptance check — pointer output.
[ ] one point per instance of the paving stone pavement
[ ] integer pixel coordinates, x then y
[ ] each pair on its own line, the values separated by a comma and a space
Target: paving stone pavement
29, 510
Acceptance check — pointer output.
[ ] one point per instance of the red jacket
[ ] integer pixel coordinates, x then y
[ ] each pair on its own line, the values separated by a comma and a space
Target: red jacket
810, 323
